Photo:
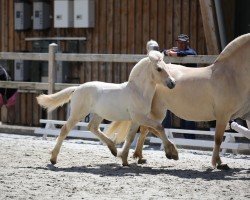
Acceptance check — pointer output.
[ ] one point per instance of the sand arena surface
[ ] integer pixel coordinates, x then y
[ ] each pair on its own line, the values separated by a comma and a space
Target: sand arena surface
87, 170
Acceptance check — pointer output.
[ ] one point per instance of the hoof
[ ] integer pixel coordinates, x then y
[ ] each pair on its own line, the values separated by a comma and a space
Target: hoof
114, 153
125, 164
142, 161
223, 167
175, 157
52, 162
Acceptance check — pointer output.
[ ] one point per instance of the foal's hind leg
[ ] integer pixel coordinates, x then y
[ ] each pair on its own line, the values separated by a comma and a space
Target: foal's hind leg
129, 139
63, 134
94, 128
139, 145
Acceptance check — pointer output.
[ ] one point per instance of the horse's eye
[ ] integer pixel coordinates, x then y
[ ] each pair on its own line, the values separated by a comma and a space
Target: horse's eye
159, 69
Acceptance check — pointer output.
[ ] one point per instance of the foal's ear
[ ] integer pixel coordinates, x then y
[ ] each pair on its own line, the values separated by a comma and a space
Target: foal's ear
155, 56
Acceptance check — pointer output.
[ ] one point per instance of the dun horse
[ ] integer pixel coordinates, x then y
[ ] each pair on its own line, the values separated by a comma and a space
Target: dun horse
218, 92
127, 101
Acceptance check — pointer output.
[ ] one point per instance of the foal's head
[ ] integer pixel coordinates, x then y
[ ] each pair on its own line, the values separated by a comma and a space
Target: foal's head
160, 71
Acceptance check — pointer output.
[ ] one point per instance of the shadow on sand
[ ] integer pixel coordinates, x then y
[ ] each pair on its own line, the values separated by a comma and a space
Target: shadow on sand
139, 170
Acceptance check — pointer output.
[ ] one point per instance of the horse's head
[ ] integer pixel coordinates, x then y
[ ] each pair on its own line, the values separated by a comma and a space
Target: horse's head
160, 71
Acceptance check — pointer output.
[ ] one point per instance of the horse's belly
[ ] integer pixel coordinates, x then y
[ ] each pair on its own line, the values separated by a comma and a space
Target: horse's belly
194, 112
113, 109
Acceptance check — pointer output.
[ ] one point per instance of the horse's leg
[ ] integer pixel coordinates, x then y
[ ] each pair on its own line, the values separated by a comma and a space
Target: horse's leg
219, 132
129, 139
170, 148
93, 126
63, 134
248, 124
139, 145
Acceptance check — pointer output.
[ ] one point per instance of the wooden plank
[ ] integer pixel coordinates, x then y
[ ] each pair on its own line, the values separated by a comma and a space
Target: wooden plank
131, 58
153, 11
11, 26
193, 25
24, 56
209, 23
88, 65
95, 40
161, 23
102, 35
60, 122
23, 108
201, 46
36, 110
29, 109
117, 39
17, 109
131, 32
177, 19
169, 37
138, 27
72, 133
110, 35
203, 143
4, 25
145, 24
185, 16
124, 39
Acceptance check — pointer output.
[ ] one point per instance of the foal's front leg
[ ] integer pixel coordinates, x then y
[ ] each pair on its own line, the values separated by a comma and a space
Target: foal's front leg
93, 126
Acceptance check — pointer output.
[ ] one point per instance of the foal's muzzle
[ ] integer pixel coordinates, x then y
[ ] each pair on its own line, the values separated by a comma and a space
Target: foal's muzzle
170, 83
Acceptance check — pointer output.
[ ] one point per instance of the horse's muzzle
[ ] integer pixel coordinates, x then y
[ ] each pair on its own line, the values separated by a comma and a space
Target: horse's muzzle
170, 83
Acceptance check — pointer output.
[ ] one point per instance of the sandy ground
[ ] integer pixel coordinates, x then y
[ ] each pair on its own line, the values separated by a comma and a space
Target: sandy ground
87, 170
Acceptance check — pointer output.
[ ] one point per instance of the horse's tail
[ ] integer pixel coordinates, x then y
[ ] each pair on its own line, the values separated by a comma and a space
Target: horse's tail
52, 101
118, 131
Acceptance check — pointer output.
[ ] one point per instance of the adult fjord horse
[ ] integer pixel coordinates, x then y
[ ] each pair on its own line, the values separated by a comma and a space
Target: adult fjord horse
218, 92
127, 101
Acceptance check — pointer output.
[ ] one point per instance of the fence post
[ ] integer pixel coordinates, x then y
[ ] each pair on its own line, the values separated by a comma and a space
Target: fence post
52, 73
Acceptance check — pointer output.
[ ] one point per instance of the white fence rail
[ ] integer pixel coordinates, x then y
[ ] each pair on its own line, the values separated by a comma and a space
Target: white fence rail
81, 131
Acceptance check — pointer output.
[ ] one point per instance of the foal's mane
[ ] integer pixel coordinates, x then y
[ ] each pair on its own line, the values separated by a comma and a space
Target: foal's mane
233, 46
138, 68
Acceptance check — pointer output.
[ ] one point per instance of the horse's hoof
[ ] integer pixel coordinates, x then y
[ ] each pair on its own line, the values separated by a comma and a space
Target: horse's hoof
223, 167
142, 161
125, 164
114, 153
52, 162
169, 156
175, 157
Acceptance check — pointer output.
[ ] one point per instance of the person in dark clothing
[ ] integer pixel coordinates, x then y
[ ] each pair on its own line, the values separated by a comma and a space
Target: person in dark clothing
4, 76
182, 49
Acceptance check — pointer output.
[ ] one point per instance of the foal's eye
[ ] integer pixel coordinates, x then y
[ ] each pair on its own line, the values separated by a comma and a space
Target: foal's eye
159, 69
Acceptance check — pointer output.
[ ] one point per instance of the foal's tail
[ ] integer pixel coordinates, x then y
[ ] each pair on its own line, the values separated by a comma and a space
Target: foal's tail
118, 131
52, 101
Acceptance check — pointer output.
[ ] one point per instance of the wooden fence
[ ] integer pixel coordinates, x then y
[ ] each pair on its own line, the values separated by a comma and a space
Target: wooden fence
24, 111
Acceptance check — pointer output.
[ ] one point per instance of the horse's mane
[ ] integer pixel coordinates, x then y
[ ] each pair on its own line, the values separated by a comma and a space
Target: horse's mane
136, 70
233, 46
140, 66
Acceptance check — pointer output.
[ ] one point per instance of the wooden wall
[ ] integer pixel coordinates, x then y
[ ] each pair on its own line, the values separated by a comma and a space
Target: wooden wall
121, 26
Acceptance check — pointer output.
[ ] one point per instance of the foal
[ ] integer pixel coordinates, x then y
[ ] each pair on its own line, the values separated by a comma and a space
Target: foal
127, 101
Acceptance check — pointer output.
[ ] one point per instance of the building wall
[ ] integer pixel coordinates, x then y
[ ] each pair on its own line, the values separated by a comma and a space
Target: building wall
121, 27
